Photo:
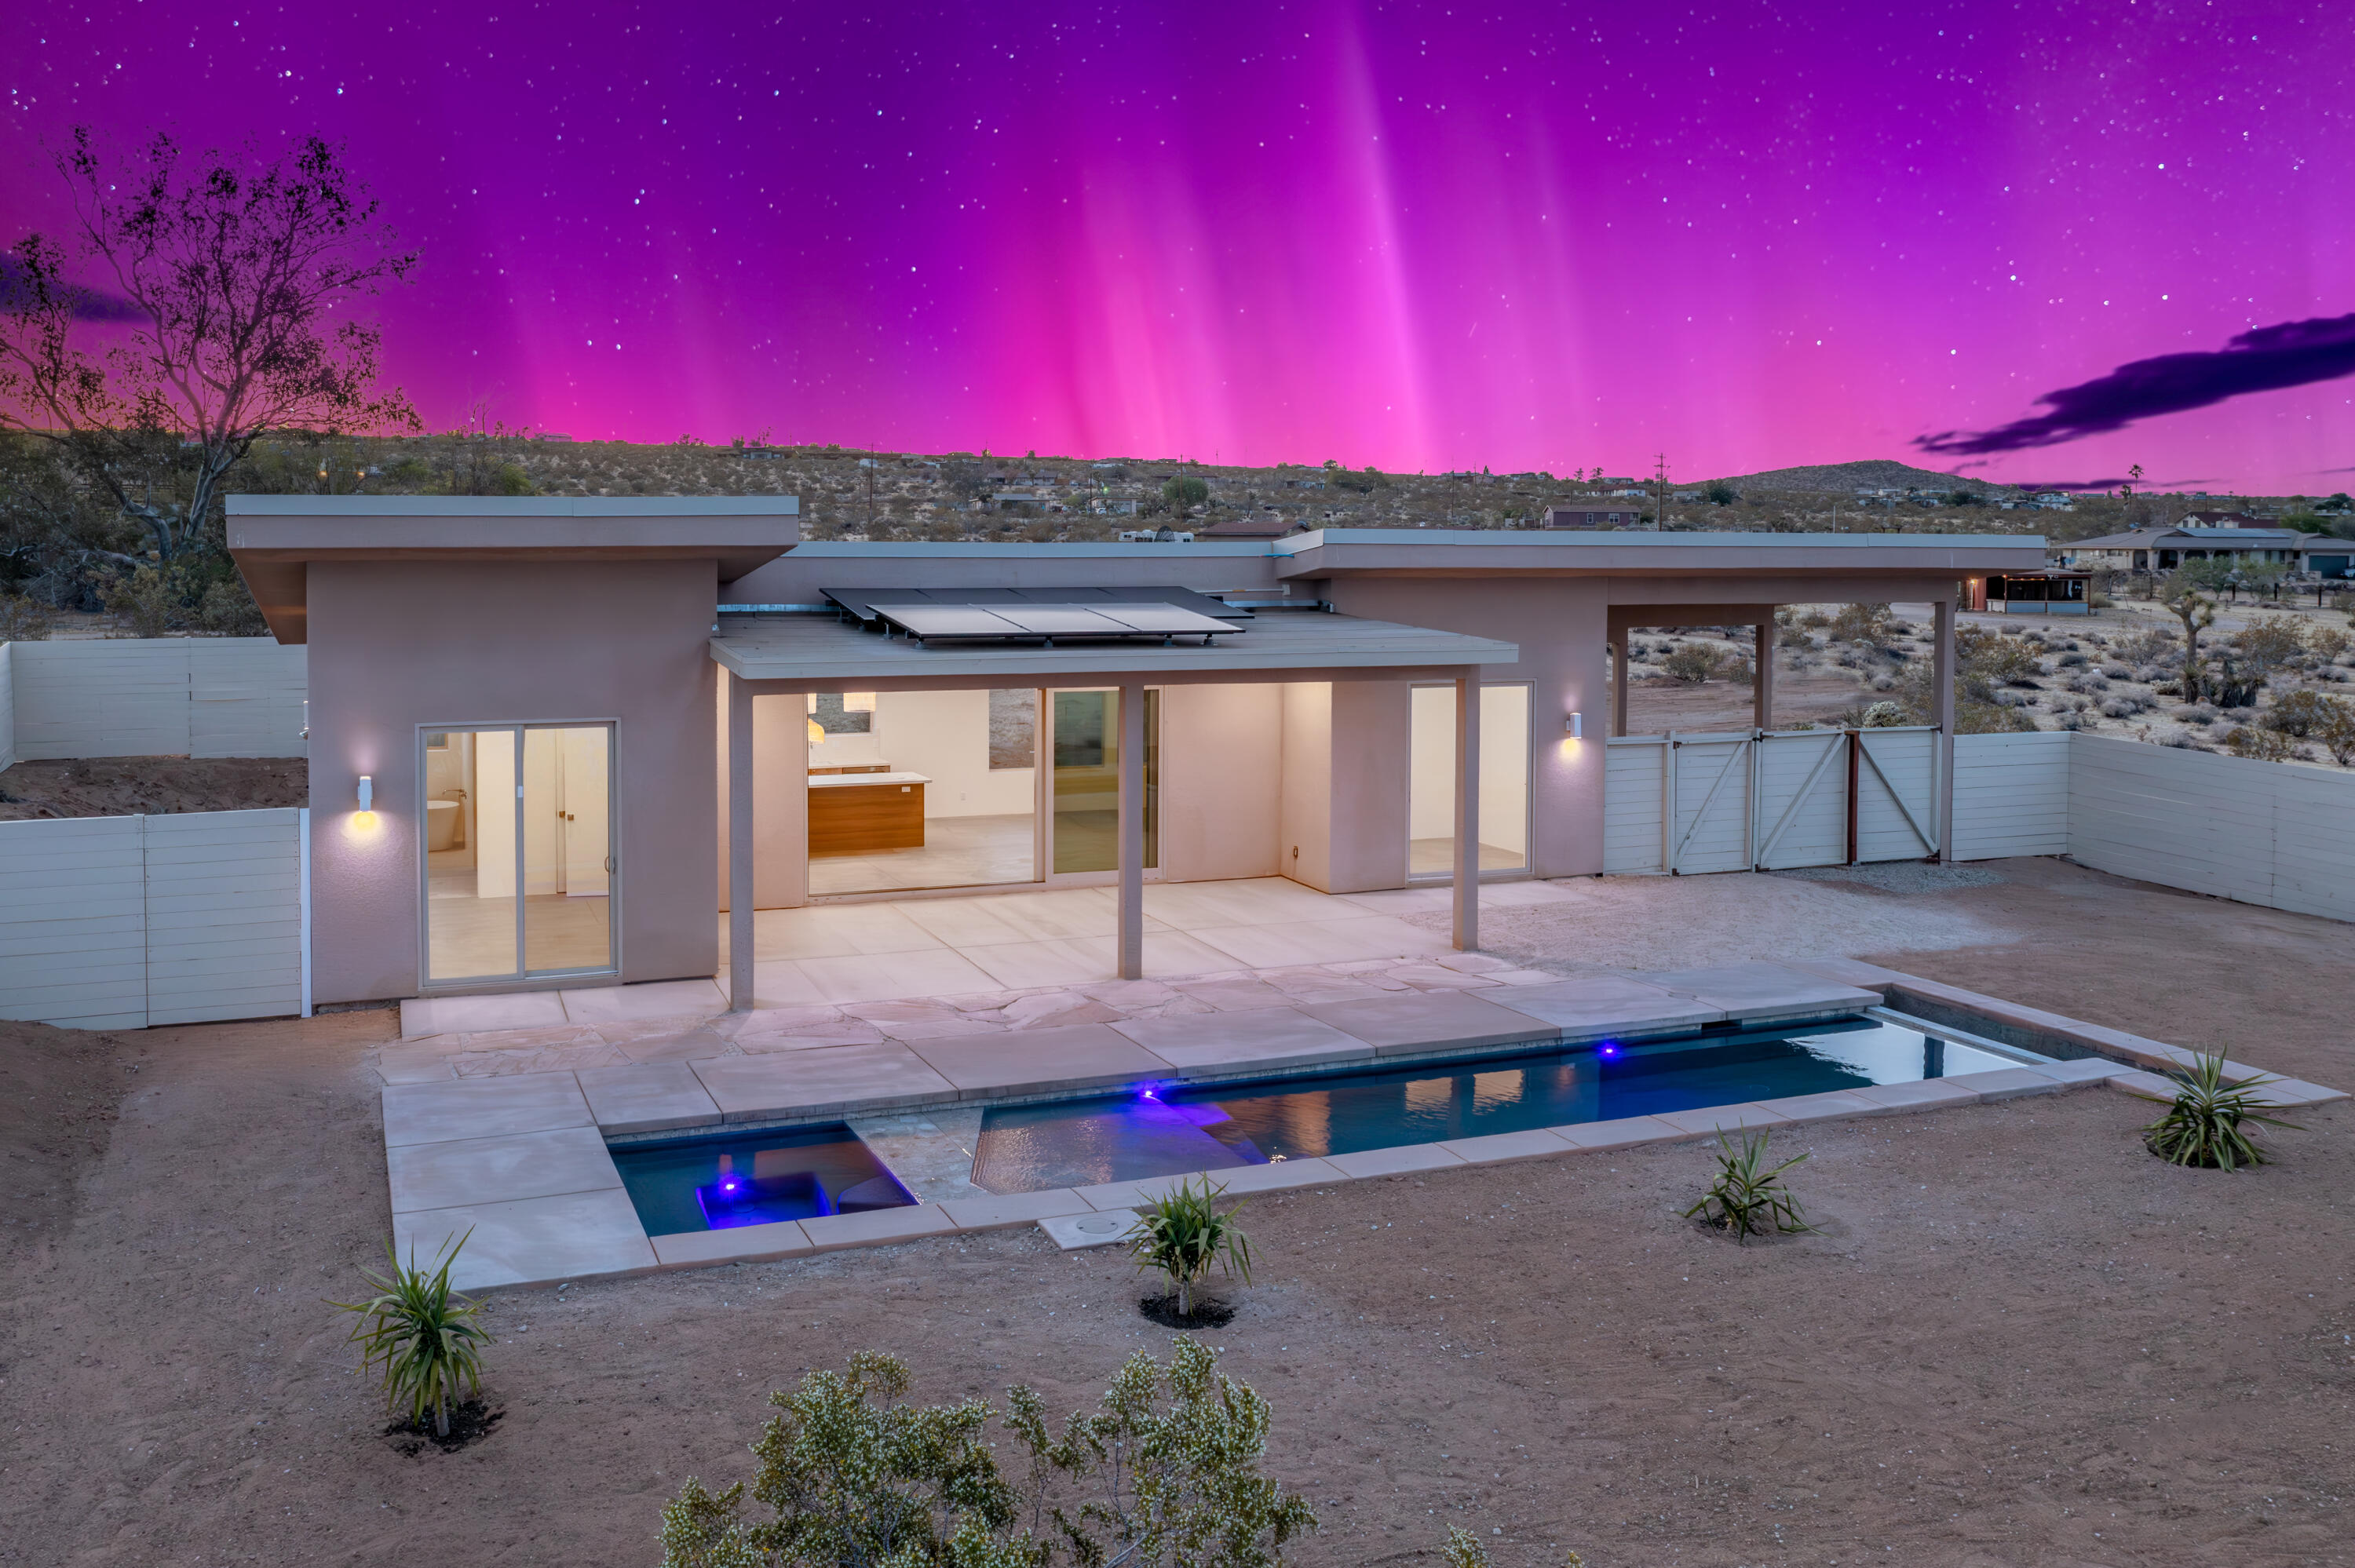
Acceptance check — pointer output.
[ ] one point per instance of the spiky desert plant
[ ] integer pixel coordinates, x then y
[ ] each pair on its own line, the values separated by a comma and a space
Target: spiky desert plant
1185, 1234
1748, 1197
421, 1334
2203, 1124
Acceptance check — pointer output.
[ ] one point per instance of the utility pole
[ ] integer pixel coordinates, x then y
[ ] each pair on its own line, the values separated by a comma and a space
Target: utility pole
1660, 474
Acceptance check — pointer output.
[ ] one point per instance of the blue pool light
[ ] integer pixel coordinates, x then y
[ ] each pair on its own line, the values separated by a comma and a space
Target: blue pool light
1609, 1049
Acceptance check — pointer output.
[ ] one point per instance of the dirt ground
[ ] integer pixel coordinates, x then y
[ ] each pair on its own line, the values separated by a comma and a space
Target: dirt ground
2015, 1340
131, 786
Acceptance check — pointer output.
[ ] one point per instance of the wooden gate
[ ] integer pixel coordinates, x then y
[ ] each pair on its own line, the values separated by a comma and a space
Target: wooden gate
1767, 800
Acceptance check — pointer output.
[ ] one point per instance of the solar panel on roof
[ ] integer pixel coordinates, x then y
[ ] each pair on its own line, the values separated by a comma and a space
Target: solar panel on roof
1162, 618
948, 620
1059, 621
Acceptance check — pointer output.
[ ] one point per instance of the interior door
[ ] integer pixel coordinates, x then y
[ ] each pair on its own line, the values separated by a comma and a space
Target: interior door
567, 845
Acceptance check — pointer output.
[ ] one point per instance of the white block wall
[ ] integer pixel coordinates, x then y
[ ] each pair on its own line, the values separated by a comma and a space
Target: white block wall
119, 922
167, 696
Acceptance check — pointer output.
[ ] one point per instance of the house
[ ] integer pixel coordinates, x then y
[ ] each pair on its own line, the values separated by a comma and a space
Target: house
551, 740
1260, 525
2163, 549
1590, 513
2220, 520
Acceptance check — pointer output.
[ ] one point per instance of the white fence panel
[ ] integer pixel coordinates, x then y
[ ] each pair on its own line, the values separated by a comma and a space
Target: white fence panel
1631, 810
1896, 794
224, 915
2181, 819
245, 698
118, 922
165, 696
2314, 849
2011, 795
1802, 798
73, 946
1711, 824
8, 709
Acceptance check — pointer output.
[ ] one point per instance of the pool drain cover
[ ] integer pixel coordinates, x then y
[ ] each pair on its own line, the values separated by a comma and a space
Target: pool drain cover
1072, 1232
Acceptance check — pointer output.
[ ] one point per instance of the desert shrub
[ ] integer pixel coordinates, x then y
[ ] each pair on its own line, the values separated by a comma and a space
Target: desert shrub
2088, 682
2077, 720
1465, 1549
2268, 643
2175, 735
2318, 717
1748, 1196
146, 601
2197, 712
2121, 707
2203, 1124
1883, 715
2116, 671
1186, 1234
2328, 642
1867, 625
857, 1477
2261, 745
2070, 659
421, 1334
1986, 718
24, 620
2155, 645
1691, 663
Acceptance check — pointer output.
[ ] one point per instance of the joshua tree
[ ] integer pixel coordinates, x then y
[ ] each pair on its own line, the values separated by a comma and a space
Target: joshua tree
2190, 592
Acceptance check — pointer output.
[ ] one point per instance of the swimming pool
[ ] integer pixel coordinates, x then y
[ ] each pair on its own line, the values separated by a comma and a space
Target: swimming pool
1170, 1130
681, 1184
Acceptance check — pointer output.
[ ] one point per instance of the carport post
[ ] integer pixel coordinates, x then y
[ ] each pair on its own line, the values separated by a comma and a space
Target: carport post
1941, 711
1131, 829
1468, 810
740, 845
1762, 688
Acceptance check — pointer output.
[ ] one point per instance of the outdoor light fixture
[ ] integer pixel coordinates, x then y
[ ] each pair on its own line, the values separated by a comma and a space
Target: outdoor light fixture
368, 793
1574, 727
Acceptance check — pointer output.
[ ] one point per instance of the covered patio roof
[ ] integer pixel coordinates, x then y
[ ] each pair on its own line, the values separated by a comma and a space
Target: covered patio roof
821, 652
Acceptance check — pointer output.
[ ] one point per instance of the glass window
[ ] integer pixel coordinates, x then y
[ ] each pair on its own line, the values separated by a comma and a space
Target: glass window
1085, 815
926, 789
518, 851
1504, 780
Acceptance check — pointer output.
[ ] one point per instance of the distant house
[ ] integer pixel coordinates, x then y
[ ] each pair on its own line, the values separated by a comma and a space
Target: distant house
2220, 520
2163, 549
1263, 526
1591, 514
1155, 536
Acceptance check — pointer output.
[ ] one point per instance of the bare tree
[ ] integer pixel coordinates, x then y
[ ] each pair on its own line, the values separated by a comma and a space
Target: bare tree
220, 284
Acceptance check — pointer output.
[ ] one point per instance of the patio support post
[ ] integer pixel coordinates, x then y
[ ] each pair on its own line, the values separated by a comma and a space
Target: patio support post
1132, 831
1942, 714
740, 845
1762, 688
1619, 683
1468, 810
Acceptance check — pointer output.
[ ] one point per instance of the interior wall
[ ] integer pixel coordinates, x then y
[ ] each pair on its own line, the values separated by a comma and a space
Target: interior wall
1430, 763
1221, 782
945, 737
1504, 767
1305, 792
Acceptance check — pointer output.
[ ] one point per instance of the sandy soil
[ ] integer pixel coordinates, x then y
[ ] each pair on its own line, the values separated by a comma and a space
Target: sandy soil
128, 786
2017, 1340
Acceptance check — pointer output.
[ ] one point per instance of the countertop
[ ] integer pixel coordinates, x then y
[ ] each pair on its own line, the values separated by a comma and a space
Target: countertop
838, 780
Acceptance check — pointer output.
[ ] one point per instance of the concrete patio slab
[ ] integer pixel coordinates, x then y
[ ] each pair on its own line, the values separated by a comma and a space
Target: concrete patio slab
1751, 1118
1276, 1176
1040, 1061
481, 1107
1106, 1227
1593, 1007
990, 1211
573, 1236
821, 1083
1268, 1037
1765, 993
1089, 961
1919, 1095
424, 1015
1494, 1148
1423, 1021
657, 1096
893, 977
457, 1172
1259, 901
1321, 941
1620, 1132
657, 998
1398, 1162
745, 1244
1832, 1105
2005, 1083
877, 1227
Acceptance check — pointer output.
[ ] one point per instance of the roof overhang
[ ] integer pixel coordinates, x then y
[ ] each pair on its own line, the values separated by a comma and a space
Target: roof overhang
821, 653
274, 538
1418, 553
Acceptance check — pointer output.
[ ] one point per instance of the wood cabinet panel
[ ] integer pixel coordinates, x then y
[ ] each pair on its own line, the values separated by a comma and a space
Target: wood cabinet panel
861, 819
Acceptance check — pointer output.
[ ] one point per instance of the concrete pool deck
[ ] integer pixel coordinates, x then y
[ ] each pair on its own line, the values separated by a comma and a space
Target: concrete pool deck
519, 1162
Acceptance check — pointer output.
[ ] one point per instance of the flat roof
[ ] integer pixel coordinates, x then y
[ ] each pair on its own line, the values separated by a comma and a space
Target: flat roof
1423, 552
273, 537
833, 654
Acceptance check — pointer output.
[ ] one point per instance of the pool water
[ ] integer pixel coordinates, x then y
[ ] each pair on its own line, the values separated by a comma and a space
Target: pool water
1168, 1131
718, 1184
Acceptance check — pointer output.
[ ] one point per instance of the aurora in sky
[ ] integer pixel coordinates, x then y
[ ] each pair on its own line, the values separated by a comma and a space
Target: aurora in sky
1416, 236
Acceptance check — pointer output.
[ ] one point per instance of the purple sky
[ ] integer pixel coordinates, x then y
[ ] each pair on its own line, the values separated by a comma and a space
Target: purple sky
1421, 237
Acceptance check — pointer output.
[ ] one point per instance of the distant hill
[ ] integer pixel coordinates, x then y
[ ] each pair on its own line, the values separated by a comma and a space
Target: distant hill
1825, 478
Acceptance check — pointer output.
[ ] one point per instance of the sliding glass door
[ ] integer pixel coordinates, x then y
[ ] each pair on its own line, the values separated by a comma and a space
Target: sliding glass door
1083, 789
1505, 719
517, 851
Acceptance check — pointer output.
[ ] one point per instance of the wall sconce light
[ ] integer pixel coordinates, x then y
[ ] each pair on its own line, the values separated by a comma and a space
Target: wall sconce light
1574, 727
368, 793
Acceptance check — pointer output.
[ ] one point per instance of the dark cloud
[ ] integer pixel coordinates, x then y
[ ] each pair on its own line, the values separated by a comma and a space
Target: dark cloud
92, 306
2040, 485
2266, 359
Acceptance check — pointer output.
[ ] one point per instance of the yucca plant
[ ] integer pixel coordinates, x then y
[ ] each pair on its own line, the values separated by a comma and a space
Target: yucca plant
421, 1334
1184, 1235
2203, 1124
1748, 1197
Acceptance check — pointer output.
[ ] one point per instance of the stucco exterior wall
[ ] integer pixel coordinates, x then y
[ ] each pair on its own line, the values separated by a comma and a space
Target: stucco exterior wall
400, 646
1221, 782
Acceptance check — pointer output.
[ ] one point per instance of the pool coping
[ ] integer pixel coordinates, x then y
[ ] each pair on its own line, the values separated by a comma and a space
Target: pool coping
532, 1238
